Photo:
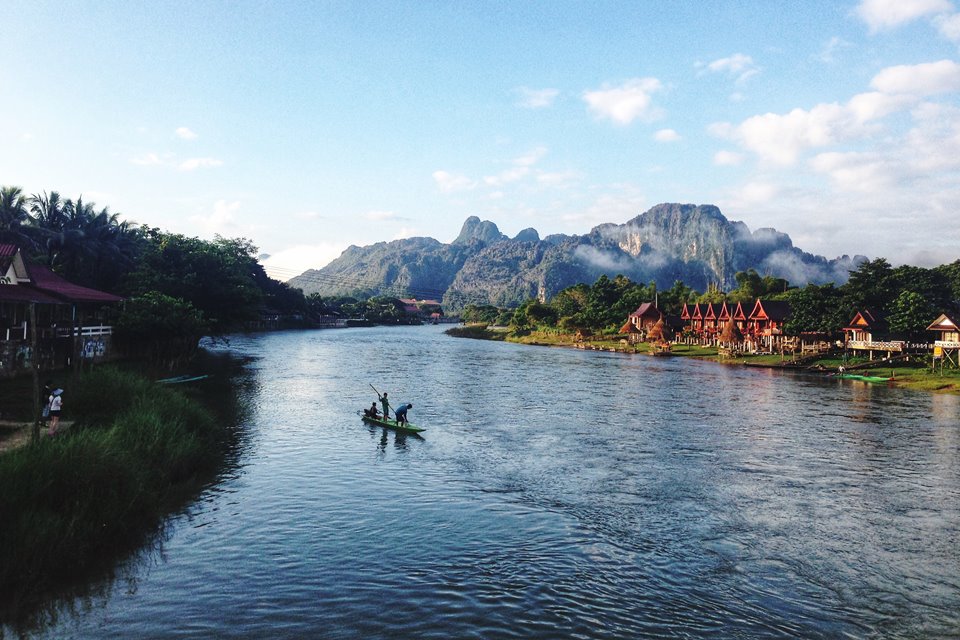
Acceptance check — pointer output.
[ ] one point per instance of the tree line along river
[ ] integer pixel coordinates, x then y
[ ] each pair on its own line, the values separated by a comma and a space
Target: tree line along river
556, 493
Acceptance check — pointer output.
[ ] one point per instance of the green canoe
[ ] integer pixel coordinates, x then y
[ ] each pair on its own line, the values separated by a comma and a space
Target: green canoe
862, 378
391, 424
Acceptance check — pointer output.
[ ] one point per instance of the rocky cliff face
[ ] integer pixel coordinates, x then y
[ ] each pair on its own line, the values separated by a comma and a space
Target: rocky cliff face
695, 244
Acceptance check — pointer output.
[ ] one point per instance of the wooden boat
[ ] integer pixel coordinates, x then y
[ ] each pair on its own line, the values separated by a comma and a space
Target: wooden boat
181, 379
391, 424
862, 378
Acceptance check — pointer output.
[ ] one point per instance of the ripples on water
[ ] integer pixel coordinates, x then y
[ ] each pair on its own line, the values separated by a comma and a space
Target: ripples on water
557, 493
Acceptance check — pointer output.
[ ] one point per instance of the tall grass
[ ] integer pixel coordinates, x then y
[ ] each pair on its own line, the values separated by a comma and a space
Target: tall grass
67, 501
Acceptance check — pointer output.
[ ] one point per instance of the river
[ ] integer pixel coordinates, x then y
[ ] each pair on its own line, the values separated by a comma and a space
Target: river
556, 493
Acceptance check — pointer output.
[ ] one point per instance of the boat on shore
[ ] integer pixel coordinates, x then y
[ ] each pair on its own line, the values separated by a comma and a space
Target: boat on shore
406, 427
862, 378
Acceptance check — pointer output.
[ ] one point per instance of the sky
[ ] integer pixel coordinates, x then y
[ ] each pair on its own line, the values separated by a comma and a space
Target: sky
307, 127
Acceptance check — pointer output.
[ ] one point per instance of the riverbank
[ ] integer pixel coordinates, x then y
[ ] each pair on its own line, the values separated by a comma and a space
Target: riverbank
916, 375
72, 502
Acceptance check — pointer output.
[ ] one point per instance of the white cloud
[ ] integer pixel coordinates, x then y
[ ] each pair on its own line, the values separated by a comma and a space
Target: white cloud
828, 54
533, 157
781, 138
888, 14
519, 170
925, 79
626, 103
949, 26
727, 158
537, 98
738, 65
558, 179
507, 176
449, 183
666, 135
307, 215
150, 159
185, 133
192, 164
292, 261
221, 220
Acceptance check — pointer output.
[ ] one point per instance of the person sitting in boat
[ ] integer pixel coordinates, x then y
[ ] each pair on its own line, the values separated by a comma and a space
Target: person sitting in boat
401, 413
372, 411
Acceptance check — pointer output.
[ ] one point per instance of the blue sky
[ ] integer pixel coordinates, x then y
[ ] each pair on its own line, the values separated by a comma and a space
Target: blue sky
308, 127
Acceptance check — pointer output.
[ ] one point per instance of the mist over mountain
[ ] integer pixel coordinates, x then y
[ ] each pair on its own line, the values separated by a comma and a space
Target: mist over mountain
695, 244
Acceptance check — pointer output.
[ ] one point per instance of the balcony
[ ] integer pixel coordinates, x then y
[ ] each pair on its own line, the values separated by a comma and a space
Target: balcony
871, 345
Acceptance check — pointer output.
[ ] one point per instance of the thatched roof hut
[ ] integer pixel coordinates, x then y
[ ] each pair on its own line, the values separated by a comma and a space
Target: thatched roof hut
731, 334
629, 327
658, 332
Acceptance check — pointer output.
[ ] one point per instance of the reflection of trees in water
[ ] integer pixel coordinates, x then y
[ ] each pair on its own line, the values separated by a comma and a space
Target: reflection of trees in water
28, 611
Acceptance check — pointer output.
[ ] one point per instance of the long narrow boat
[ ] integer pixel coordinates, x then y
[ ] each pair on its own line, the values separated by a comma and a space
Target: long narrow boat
391, 424
862, 378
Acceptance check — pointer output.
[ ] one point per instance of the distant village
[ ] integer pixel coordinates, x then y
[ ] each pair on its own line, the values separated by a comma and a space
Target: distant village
758, 327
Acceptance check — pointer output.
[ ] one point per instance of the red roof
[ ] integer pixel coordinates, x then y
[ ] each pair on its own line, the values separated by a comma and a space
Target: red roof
26, 293
46, 280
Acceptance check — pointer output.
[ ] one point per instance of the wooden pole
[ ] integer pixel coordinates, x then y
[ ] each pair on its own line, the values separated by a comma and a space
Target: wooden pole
35, 369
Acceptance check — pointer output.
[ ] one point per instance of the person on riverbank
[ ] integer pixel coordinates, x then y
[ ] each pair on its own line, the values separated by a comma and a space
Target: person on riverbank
56, 405
401, 413
45, 412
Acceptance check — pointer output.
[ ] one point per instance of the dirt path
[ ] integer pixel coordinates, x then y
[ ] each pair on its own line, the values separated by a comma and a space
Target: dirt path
16, 434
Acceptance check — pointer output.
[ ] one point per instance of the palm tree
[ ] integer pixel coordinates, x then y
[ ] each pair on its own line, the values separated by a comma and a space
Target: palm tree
55, 220
15, 220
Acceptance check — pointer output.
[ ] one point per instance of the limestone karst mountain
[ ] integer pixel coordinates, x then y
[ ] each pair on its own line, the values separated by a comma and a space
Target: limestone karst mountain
695, 244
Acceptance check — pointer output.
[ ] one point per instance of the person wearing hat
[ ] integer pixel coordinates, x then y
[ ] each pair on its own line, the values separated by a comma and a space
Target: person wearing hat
56, 404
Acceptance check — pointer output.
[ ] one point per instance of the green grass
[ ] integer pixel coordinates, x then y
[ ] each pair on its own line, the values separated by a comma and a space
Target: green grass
65, 502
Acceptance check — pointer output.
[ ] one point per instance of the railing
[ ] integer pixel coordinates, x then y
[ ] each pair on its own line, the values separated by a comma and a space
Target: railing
93, 330
23, 332
894, 345
947, 344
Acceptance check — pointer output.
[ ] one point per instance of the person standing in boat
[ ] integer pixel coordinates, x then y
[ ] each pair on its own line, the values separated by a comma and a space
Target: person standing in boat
386, 405
401, 412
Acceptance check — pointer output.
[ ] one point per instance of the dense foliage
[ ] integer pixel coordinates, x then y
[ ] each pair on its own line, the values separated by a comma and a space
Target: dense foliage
910, 298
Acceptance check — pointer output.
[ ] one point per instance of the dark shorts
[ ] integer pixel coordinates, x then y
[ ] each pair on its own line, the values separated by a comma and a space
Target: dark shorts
55, 413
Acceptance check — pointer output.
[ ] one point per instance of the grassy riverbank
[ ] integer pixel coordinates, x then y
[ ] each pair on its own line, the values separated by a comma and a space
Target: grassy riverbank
916, 375
66, 502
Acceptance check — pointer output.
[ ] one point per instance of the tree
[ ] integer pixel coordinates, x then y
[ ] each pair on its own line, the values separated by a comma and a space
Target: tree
910, 315
870, 286
218, 278
15, 220
818, 308
162, 328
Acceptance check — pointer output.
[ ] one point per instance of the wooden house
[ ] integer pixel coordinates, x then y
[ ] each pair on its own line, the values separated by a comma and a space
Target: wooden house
765, 322
645, 317
947, 348
710, 321
869, 332
46, 320
696, 319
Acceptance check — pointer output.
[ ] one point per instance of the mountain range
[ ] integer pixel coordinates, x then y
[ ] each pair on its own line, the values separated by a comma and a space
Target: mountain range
692, 243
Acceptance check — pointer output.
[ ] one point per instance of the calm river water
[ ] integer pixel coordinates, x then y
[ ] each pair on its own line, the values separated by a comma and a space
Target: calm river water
556, 494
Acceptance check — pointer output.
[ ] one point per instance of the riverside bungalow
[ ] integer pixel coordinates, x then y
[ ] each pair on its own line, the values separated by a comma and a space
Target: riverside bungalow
645, 317
765, 323
868, 331
947, 348
69, 320
710, 313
